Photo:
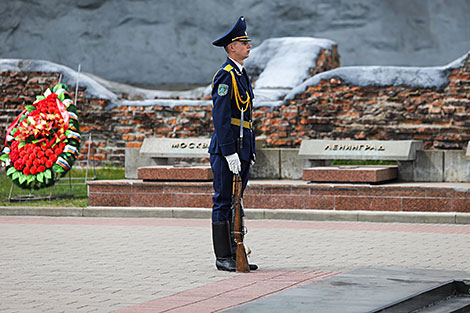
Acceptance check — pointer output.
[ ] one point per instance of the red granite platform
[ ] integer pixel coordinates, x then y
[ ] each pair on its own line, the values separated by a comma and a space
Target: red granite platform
174, 173
350, 174
293, 194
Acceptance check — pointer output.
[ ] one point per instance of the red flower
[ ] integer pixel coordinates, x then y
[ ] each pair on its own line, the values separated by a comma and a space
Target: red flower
26, 171
49, 163
29, 163
40, 154
58, 151
53, 158
36, 162
41, 169
34, 170
43, 160
49, 152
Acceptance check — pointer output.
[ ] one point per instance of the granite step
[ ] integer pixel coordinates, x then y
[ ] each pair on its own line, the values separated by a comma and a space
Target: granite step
351, 174
175, 173
293, 195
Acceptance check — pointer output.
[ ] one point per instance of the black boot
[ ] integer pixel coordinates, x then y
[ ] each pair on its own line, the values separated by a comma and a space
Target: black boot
222, 246
253, 267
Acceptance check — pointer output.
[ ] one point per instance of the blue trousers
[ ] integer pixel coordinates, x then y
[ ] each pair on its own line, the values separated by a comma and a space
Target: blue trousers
223, 181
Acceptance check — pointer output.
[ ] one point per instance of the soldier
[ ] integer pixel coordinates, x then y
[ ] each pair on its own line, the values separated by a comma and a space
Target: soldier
232, 98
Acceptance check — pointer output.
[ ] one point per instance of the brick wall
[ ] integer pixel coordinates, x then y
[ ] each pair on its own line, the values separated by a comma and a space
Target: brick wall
333, 110
329, 110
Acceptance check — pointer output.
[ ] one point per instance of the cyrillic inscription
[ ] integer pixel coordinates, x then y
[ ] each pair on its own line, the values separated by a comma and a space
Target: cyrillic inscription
359, 147
190, 145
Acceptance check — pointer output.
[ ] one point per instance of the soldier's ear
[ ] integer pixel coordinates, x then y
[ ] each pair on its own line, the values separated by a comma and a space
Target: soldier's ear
229, 47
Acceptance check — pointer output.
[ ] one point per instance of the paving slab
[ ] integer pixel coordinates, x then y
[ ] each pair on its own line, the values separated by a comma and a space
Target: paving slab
89, 264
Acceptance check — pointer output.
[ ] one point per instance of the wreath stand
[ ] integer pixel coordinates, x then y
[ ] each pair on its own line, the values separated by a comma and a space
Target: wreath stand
69, 195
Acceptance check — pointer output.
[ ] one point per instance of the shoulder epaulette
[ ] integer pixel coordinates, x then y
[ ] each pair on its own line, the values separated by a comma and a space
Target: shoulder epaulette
227, 68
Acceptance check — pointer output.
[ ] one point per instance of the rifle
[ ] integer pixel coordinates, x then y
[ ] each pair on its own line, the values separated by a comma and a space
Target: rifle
241, 260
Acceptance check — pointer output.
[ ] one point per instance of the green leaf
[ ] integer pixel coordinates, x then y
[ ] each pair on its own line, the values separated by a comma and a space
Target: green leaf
4, 157
21, 145
30, 108
57, 168
15, 175
30, 178
40, 177
48, 174
11, 170
40, 98
22, 178
13, 131
61, 96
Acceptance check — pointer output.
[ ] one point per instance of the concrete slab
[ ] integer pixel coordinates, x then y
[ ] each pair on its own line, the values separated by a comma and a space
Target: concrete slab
358, 291
456, 166
267, 164
429, 166
292, 164
133, 160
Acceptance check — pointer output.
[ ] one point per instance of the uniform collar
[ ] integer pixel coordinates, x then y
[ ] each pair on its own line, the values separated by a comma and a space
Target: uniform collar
240, 67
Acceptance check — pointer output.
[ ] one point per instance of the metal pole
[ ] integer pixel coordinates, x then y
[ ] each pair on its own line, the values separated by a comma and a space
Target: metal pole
76, 85
88, 158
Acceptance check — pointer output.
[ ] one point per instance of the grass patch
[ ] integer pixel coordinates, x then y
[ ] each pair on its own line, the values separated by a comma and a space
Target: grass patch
77, 188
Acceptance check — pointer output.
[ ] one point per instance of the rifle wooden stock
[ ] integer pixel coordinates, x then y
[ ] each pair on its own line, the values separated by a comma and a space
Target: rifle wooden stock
241, 260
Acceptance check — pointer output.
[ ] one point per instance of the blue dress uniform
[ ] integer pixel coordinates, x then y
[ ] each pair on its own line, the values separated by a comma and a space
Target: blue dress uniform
231, 94
232, 97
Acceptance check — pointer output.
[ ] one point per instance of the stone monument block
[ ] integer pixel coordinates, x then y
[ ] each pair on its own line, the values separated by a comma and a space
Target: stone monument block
395, 150
166, 150
175, 147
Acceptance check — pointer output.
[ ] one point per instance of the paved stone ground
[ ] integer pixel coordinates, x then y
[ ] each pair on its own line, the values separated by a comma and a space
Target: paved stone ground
82, 264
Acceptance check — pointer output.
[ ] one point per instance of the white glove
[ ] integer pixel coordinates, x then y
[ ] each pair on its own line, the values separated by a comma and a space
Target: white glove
253, 160
234, 163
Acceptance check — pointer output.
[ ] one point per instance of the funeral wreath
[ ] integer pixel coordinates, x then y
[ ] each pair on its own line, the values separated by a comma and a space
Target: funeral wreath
43, 142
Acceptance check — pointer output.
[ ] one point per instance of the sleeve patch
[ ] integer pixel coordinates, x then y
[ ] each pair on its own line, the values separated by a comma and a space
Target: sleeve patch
222, 90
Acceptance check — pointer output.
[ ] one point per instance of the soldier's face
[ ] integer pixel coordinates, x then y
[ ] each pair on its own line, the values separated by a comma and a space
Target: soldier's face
241, 49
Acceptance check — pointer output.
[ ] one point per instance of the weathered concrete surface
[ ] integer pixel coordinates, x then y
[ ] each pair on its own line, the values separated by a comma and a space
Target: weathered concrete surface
169, 42
456, 166
134, 161
429, 166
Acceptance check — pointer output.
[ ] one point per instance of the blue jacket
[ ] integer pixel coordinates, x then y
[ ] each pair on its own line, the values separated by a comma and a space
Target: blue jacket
226, 112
